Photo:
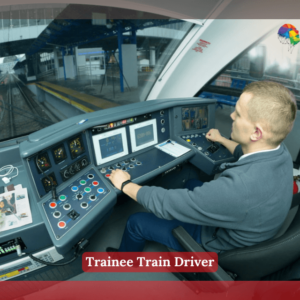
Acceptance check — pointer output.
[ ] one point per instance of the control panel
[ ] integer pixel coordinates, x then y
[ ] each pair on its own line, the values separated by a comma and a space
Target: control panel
209, 155
140, 164
75, 202
76, 163
214, 151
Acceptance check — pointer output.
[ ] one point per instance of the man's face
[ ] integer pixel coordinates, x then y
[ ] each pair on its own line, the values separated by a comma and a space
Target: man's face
242, 127
1, 204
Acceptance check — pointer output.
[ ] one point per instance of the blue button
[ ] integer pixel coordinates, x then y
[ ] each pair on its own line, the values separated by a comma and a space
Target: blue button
74, 188
100, 191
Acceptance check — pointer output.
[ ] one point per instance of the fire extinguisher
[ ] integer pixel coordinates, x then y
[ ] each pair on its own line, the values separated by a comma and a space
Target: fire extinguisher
296, 188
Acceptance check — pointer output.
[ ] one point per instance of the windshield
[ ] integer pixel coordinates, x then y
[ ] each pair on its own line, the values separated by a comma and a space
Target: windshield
58, 61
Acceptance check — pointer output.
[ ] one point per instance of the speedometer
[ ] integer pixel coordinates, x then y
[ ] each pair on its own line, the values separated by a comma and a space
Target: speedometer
43, 162
76, 147
59, 153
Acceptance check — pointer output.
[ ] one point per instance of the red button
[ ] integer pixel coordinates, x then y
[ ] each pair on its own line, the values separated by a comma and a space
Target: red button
95, 183
61, 224
107, 175
52, 205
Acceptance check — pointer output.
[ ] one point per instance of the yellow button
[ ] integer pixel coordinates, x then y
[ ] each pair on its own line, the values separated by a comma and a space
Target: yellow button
188, 140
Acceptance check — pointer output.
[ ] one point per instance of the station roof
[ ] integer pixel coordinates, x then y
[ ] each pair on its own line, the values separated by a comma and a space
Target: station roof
79, 25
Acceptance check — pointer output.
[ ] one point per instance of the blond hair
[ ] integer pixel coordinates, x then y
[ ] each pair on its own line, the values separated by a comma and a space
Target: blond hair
274, 106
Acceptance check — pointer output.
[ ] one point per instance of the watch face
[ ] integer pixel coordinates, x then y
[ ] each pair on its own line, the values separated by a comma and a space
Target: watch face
76, 147
124, 184
43, 162
59, 153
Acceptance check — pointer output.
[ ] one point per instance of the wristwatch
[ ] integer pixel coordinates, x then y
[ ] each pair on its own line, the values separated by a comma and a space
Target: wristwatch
124, 183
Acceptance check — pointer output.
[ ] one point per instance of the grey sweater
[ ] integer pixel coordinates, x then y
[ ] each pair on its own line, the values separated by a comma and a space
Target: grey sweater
246, 205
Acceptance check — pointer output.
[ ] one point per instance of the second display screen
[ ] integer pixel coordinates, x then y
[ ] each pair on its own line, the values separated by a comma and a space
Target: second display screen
144, 135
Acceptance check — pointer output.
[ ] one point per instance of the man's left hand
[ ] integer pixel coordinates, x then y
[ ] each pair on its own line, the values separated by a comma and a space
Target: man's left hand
117, 177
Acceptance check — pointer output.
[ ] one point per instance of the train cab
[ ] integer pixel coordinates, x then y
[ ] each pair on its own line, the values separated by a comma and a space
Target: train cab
88, 89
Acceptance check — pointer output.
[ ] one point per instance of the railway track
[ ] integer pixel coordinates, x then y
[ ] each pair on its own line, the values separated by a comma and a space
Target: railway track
21, 114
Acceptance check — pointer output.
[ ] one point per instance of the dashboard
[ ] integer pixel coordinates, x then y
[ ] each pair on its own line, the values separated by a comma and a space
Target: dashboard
66, 167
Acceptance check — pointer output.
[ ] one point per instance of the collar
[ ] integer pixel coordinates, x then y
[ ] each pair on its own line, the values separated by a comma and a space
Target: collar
245, 155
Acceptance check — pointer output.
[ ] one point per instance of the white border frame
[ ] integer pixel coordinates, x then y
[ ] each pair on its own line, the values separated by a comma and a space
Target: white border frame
132, 129
98, 137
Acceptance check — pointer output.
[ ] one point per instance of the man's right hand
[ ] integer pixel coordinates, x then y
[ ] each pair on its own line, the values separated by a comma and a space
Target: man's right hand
214, 135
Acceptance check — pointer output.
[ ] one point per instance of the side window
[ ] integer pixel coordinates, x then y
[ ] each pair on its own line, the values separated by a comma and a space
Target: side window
275, 58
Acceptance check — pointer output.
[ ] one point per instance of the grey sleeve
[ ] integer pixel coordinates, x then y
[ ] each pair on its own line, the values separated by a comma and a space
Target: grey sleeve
215, 203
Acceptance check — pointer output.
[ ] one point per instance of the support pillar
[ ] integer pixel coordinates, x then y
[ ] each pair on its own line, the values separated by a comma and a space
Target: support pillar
120, 41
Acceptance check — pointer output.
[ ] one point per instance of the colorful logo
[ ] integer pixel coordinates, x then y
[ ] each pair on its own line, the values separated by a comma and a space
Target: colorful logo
288, 34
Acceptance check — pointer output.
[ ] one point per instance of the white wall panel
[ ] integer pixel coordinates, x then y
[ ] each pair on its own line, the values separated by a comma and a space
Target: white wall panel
189, 70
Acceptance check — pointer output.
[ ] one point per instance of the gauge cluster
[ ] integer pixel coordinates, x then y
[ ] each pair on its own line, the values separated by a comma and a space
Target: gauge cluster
54, 165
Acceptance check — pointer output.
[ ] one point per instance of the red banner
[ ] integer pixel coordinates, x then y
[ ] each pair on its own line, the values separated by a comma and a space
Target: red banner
150, 262
137, 290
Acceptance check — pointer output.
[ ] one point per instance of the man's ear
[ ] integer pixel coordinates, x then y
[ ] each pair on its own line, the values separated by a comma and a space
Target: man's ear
257, 134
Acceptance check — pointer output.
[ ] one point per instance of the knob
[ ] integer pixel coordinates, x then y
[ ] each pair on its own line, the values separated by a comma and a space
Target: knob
84, 162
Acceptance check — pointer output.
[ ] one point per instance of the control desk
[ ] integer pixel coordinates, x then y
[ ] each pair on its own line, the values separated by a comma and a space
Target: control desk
72, 161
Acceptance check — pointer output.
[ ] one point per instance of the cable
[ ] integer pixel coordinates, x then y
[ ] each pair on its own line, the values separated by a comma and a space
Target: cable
10, 170
78, 249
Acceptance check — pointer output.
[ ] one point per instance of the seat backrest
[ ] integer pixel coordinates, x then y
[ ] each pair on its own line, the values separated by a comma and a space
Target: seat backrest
252, 263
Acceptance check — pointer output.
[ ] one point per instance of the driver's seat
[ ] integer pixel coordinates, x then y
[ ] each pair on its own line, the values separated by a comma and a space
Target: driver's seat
255, 262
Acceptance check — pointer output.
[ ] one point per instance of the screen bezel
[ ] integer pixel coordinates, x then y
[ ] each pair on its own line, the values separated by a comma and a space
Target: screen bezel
96, 141
132, 129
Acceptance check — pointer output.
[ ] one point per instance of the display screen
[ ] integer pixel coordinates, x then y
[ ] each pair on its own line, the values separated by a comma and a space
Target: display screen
194, 118
76, 147
111, 145
144, 135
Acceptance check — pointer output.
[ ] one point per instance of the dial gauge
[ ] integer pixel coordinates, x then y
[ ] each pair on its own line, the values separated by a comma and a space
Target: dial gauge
76, 147
59, 153
46, 181
43, 162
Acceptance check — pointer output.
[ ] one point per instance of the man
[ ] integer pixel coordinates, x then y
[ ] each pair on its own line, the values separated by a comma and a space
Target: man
250, 200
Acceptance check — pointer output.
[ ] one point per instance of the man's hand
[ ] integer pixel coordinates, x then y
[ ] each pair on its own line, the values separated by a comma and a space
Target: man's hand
214, 135
117, 177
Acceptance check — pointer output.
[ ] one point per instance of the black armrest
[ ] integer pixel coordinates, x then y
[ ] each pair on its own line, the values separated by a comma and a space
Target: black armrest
190, 245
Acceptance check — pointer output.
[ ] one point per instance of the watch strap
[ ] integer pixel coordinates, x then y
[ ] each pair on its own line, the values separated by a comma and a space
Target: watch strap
124, 183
